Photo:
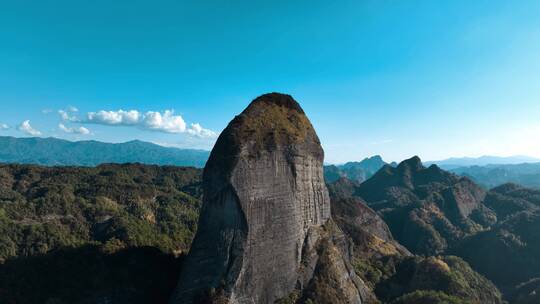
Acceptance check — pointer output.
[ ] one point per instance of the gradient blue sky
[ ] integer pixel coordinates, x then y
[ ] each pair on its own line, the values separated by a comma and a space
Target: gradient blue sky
396, 78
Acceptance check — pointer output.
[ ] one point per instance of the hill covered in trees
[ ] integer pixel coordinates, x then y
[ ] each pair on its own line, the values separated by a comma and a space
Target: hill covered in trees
435, 212
58, 152
82, 235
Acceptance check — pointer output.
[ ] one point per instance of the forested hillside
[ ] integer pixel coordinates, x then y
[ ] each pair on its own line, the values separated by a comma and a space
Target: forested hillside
434, 212
75, 235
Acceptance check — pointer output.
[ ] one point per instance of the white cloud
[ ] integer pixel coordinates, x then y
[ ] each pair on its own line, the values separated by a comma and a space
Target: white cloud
166, 121
199, 131
79, 130
119, 117
67, 116
25, 127
46, 111
4, 126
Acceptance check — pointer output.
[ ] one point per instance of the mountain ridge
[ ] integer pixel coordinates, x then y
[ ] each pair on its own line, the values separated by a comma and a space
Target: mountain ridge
358, 171
53, 151
431, 211
455, 162
489, 176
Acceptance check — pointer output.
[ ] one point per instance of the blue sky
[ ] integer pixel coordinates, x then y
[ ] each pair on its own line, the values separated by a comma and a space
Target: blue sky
396, 78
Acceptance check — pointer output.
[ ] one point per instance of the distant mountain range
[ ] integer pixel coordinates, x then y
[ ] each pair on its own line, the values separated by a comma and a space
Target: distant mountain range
356, 171
487, 171
489, 176
493, 171
455, 162
58, 152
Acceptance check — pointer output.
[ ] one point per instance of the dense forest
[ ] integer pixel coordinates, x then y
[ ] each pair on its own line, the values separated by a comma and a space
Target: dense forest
74, 235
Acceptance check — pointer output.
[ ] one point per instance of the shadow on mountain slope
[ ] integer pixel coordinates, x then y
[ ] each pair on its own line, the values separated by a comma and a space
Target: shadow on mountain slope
90, 274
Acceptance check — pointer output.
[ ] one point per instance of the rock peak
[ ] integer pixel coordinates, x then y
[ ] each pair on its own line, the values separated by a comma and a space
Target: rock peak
273, 117
263, 189
271, 122
275, 99
414, 163
374, 158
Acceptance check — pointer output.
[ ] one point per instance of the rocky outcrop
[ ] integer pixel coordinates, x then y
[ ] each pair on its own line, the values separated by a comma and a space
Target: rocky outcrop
427, 209
392, 274
334, 279
448, 274
368, 231
265, 204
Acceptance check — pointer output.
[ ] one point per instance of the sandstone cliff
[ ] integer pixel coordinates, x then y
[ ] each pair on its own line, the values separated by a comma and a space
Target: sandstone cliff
262, 231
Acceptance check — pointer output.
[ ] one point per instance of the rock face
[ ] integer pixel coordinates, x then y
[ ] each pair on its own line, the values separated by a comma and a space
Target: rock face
265, 201
363, 225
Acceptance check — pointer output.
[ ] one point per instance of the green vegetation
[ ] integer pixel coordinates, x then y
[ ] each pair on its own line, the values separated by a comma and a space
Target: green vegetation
292, 298
402, 279
516, 241
68, 234
88, 274
448, 275
272, 120
428, 297
374, 270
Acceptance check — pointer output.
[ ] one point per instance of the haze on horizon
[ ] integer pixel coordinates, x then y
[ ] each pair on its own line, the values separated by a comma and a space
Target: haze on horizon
398, 79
